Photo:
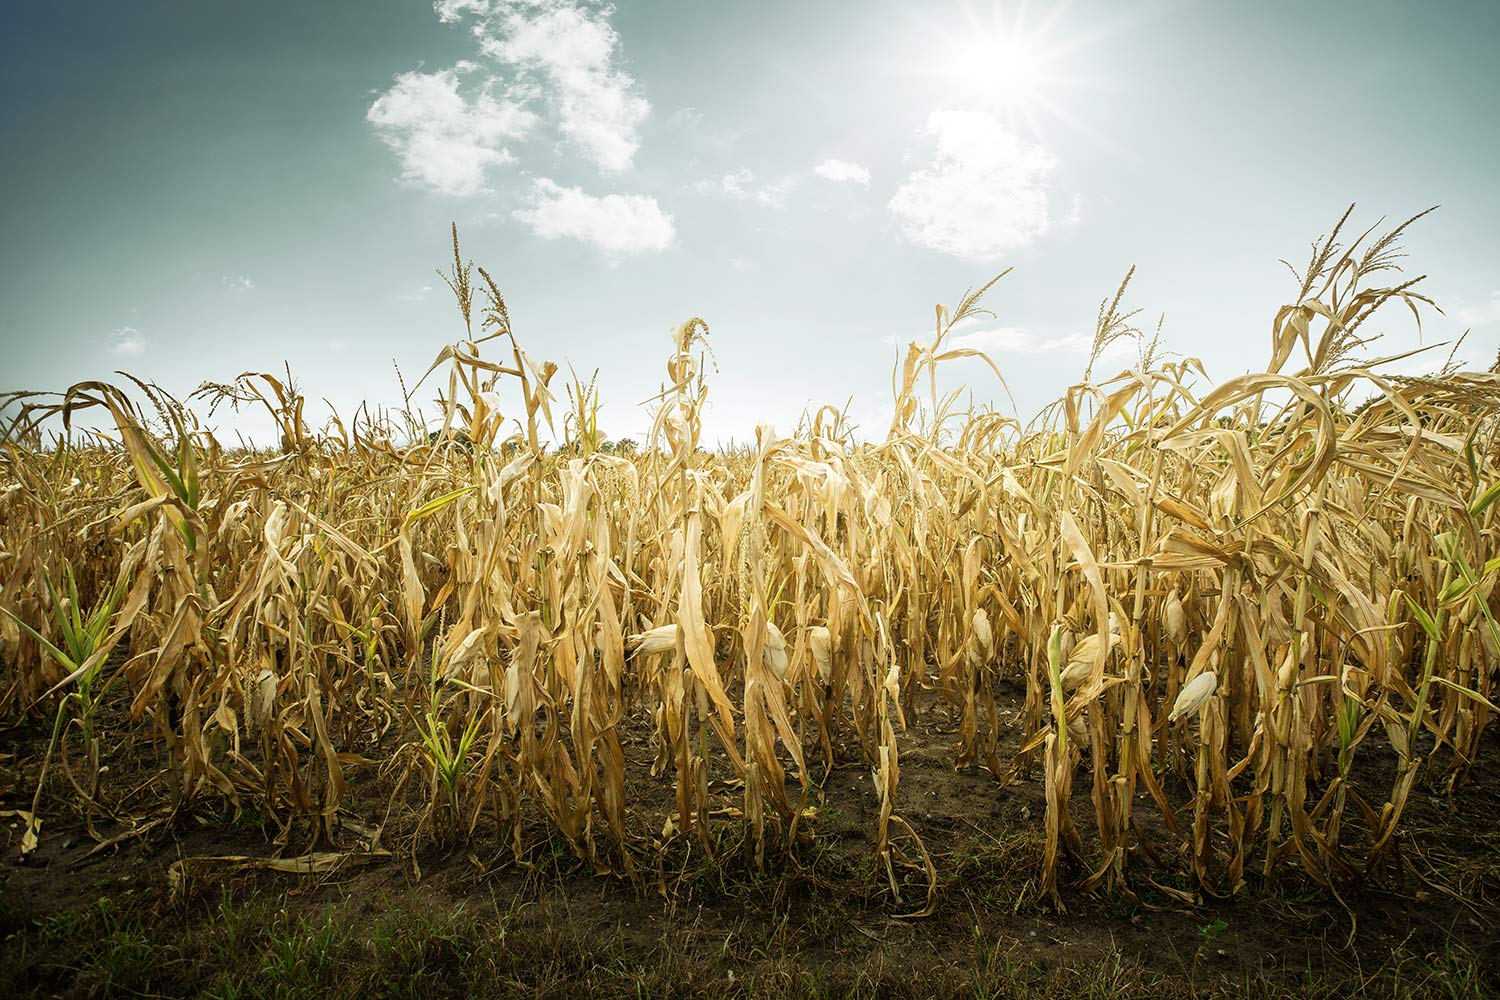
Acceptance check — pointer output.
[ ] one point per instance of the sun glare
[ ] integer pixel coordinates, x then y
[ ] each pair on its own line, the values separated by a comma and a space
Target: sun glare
1010, 72
1005, 59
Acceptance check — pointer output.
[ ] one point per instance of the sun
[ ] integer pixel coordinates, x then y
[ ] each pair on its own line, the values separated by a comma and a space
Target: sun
996, 58
1010, 70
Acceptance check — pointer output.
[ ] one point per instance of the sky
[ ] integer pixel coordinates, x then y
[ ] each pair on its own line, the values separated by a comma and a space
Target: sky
198, 189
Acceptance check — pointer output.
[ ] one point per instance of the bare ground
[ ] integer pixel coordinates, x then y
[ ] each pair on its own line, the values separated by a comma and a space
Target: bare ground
476, 920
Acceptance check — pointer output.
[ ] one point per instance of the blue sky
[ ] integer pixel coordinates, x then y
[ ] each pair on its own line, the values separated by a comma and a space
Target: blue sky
197, 189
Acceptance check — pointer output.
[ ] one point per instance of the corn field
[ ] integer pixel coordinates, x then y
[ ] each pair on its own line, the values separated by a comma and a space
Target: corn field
1249, 618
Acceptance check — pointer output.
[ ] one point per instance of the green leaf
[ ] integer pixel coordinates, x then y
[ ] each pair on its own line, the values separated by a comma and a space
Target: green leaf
1317, 592
1423, 619
73, 603
1447, 545
188, 461
1455, 587
1482, 502
1466, 692
57, 654
160, 461
433, 506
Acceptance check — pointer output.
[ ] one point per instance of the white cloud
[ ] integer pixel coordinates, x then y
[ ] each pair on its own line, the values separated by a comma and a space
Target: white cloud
127, 342
239, 283
417, 295
452, 11
840, 171
451, 128
575, 50
445, 140
774, 195
686, 118
1484, 314
984, 193
1075, 211
736, 184
740, 185
999, 340
1010, 340
619, 225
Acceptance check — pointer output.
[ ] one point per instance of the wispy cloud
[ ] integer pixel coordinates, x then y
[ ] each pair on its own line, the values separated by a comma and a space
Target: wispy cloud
238, 283
741, 185
982, 195
1483, 314
1075, 211
446, 139
127, 342
735, 184
686, 118
1011, 340
843, 172
416, 295
558, 56
575, 51
452, 11
620, 225
773, 195
1000, 340
541, 63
